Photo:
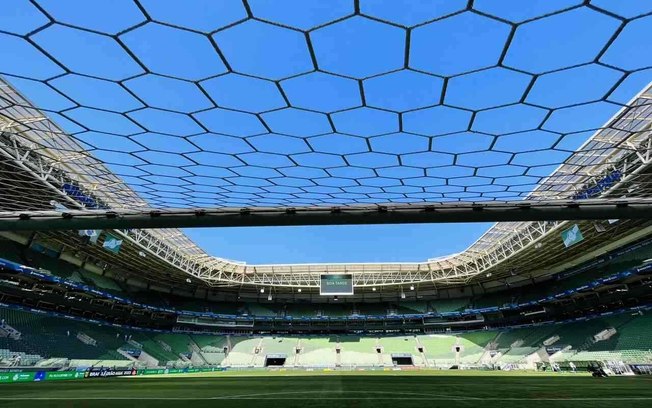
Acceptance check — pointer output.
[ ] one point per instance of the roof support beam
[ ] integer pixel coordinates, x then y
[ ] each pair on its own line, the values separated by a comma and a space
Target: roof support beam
397, 214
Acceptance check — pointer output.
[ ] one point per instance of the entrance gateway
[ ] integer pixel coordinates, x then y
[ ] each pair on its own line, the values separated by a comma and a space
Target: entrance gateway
402, 359
275, 360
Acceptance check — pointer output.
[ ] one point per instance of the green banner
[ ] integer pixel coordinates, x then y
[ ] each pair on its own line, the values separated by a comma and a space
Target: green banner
13, 377
155, 371
63, 375
151, 371
16, 377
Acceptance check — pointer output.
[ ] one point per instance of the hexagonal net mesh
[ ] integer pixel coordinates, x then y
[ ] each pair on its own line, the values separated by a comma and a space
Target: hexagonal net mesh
149, 104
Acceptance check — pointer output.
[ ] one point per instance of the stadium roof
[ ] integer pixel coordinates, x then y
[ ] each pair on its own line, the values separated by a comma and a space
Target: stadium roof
241, 107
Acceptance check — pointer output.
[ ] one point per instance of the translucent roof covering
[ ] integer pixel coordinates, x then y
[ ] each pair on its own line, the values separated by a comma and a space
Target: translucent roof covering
268, 103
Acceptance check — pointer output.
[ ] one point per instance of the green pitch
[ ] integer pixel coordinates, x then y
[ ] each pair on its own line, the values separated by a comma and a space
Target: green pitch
335, 389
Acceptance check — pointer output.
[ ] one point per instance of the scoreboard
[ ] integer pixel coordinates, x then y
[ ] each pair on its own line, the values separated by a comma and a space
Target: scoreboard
336, 284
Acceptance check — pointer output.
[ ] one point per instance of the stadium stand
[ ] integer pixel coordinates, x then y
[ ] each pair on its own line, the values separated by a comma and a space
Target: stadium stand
318, 352
413, 307
245, 352
49, 337
177, 343
209, 348
438, 349
450, 305
300, 310
631, 342
98, 281
146, 343
474, 345
279, 345
256, 309
47, 341
359, 351
208, 343
54, 341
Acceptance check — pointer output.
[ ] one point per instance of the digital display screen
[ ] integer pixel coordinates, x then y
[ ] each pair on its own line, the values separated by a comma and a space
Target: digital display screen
336, 284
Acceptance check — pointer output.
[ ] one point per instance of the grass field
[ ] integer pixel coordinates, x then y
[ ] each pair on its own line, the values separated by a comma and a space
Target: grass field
337, 389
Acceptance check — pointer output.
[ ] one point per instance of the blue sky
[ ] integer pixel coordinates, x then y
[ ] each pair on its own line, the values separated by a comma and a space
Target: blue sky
194, 104
346, 243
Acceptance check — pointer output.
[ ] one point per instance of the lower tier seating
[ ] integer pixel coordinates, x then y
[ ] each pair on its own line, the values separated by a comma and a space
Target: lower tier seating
47, 341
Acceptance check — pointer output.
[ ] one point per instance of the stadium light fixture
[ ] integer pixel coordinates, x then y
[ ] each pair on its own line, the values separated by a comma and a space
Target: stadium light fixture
599, 227
411, 287
299, 290
262, 290
373, 289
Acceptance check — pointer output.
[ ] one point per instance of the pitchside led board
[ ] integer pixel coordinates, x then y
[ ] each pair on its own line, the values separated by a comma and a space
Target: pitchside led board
336, 284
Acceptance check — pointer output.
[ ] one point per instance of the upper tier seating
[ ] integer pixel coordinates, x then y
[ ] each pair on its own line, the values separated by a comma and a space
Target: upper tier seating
39, 256
450, 305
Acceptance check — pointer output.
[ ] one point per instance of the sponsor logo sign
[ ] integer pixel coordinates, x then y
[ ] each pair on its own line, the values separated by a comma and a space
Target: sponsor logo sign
112, 243
572, 236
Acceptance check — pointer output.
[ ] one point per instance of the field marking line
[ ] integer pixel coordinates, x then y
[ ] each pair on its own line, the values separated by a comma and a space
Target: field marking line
249, 396
432, 398
306, 395
273, 395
